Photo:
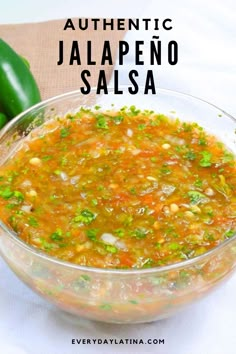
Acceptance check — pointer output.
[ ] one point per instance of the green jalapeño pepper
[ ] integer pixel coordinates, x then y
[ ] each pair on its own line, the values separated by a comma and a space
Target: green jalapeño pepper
18, 89
3, 120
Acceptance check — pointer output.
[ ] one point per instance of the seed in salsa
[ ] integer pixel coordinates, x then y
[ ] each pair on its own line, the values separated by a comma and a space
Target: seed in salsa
120, 189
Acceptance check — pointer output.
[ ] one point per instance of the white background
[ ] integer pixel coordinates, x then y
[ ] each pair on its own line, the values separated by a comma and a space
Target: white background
14, 11
206, 33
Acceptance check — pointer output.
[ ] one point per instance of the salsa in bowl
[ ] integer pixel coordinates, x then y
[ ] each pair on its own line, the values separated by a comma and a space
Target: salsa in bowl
119, 213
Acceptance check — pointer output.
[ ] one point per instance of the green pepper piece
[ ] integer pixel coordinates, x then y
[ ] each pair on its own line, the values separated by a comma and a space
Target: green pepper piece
19, 90
196, 197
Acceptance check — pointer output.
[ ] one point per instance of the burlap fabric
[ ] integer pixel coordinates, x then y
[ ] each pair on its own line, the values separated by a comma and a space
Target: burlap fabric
38, 42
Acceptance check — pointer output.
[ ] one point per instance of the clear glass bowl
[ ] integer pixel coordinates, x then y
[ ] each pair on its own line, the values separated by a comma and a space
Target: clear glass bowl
118, 296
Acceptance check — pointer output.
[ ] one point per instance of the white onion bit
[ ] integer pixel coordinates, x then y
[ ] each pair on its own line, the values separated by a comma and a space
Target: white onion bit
64, 176
174, 140
95, 154
74, 179
26, 208
26, 183
135, 151
109, 238
167, 189
120, 245
112, 240
129, 132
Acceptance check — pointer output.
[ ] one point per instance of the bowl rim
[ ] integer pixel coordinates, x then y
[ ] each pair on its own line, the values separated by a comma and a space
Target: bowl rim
140, 271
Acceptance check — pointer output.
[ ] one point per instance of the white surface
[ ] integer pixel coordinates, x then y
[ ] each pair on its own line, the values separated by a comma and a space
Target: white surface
15, 11
30, 326
206, 34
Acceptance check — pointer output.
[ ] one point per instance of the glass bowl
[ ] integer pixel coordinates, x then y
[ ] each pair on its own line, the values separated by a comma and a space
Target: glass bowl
118, 296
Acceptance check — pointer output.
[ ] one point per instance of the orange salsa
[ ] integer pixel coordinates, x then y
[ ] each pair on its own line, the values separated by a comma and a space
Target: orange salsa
120, 189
